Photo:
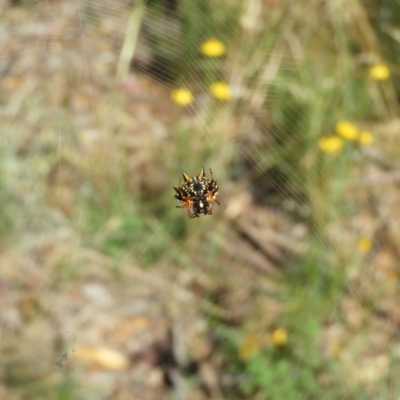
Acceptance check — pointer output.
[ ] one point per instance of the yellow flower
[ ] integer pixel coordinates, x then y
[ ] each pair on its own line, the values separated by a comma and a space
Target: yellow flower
330, 144
182, 96
250, 346
212, 48
366, 138
220, 90
379, 72
279, 337
364, 245
347, 130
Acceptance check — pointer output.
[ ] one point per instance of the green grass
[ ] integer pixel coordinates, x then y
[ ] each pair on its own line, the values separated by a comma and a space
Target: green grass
310, 292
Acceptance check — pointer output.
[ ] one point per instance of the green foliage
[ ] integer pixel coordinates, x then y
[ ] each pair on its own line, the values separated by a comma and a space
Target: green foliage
6, 211
298, 370
282, 378
288, 372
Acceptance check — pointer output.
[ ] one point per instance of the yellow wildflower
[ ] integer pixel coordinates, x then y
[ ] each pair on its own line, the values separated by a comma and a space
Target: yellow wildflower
347, 130
330, 144
364, 245
221, 91
379, 72
182, 96
279, 337
365, 138
212, 48
250, 346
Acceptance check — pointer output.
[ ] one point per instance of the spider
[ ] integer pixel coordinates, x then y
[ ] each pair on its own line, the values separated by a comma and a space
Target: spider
197, 194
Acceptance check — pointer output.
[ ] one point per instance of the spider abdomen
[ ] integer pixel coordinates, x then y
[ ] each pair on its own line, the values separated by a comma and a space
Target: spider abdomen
197, 194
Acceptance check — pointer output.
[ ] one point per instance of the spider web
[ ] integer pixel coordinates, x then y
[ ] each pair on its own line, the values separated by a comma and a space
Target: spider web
63, 153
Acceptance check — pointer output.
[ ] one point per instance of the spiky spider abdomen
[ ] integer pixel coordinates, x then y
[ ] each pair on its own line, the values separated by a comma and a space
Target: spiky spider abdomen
197, 194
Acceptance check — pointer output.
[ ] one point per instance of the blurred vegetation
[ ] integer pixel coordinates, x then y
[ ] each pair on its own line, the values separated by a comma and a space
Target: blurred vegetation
94, 158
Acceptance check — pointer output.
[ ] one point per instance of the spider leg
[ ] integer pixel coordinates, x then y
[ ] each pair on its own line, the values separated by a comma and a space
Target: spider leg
212, 194
191, 214
177, 190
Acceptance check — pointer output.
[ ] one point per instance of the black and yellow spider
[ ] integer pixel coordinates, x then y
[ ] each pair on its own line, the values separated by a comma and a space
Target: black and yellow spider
197, 194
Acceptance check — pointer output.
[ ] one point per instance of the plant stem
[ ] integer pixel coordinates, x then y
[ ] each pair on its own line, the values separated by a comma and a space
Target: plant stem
131, 38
